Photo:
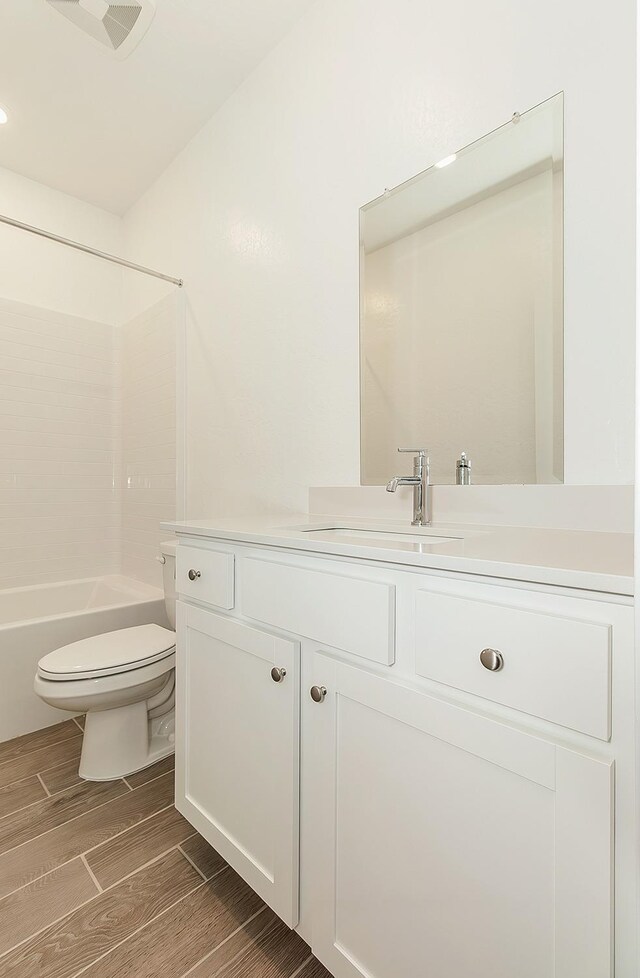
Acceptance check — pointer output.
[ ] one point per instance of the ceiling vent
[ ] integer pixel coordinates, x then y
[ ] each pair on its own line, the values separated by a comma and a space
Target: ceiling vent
116, 26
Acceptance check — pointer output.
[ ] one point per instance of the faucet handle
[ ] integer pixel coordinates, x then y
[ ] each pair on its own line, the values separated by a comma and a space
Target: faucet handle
420, 452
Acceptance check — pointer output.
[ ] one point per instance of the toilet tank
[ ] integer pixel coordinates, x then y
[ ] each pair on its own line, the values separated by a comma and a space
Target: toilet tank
168, 551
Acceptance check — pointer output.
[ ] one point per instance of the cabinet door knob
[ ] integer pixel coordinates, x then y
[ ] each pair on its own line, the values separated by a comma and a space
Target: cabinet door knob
193, 574
278, 674
318, 693
492, 660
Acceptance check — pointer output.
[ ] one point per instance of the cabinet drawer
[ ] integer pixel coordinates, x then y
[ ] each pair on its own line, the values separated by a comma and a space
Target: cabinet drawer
206, 575
347, 613
554, 667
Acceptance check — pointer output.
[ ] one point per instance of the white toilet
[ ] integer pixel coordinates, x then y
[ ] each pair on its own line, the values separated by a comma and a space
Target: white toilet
124, 681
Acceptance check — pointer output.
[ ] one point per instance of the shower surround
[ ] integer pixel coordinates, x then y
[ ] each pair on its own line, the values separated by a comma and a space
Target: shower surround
87, 444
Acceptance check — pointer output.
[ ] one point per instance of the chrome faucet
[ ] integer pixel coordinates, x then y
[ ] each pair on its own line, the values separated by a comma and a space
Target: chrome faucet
421, 485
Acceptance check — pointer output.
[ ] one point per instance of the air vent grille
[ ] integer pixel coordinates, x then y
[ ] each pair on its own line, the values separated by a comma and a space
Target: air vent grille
112, 24
119, 21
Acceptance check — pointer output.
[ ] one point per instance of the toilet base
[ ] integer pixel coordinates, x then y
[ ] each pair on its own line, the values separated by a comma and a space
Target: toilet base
121, 741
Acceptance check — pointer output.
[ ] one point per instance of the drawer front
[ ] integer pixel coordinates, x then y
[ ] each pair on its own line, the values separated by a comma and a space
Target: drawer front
206, 575
553, 667
348, 613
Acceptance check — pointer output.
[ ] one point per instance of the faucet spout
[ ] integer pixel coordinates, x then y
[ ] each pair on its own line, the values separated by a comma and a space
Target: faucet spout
403, 480
421, 486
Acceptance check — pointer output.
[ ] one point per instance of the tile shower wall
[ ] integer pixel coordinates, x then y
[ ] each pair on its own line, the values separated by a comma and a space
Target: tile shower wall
59, 442
148, 459
87, 444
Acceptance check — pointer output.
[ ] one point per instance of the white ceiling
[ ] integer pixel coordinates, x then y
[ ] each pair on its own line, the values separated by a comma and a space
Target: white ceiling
102, 129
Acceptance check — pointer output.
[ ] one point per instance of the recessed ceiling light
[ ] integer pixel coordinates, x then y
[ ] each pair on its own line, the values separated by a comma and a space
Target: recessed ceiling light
3, 116
447, 160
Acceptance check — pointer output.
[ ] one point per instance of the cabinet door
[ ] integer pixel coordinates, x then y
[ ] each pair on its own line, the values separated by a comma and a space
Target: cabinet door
447, 845
237, 753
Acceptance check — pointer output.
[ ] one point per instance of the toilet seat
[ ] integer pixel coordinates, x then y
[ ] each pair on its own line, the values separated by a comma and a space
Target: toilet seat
109, 654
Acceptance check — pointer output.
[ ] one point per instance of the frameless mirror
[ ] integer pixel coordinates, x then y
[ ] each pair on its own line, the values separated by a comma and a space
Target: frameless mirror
461, 311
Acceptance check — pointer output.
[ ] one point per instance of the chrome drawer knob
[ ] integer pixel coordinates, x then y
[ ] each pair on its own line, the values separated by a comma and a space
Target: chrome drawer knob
318, 693
492, 660
278, 674
194, 574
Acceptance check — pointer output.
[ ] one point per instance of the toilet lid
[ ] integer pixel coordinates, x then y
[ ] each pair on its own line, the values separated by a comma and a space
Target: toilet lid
112, 652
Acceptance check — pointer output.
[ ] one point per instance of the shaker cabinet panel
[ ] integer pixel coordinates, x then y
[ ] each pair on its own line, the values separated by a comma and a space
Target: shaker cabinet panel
349, 613
237, 748
206, 575
448, 844
551, 665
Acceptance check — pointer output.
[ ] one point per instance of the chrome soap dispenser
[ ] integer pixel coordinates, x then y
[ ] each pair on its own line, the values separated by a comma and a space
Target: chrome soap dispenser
463, 470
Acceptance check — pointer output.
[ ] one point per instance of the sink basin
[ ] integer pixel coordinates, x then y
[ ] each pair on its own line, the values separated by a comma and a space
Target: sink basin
423, 536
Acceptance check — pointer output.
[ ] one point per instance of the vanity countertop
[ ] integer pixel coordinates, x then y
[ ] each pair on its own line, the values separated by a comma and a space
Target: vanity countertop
587, 560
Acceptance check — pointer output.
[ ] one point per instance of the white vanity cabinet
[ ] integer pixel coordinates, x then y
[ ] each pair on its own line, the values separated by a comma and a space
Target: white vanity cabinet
447, 844
411, 811
237, 748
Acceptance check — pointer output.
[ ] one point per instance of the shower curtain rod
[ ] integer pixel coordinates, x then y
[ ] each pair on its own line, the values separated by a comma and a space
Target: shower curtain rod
90, 251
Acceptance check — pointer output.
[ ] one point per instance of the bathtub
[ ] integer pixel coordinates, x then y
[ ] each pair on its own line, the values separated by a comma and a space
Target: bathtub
36, 620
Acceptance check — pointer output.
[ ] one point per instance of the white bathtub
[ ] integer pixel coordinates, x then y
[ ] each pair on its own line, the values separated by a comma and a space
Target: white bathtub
37, 620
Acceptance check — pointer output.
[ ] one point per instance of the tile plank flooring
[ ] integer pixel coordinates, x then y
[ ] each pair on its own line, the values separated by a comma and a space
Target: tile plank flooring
108, 880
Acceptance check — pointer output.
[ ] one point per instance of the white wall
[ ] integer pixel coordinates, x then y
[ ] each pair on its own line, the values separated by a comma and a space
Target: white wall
260, 215
87, 410
59, 442
87, 443
148, 442
43, 273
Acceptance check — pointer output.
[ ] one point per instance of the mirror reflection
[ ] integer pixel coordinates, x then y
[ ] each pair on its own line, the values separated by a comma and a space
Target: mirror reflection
461, 318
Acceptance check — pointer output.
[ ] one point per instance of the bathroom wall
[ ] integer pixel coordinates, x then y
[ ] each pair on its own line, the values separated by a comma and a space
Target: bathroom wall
87, 443
59, 515
147, 361
59, 442
42, 273
87, 409
260, 215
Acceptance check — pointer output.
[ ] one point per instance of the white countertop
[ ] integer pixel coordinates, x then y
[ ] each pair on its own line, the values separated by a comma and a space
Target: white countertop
566, 558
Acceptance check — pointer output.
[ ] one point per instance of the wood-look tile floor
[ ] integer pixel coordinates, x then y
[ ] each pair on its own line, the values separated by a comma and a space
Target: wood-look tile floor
107, 880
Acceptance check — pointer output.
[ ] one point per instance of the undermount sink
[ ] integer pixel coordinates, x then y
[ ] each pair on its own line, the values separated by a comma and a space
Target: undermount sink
421, 535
